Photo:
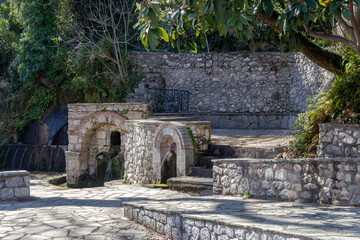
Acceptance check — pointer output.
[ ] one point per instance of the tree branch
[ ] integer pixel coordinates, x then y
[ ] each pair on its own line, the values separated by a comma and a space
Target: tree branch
325, 59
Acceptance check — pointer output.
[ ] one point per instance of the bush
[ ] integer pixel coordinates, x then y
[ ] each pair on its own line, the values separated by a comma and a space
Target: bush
341, 104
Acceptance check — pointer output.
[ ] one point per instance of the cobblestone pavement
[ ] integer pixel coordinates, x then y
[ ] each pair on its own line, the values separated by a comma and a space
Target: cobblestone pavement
97, 213
57, 213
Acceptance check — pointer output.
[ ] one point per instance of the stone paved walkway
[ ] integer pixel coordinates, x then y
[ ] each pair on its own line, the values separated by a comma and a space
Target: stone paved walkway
97, 213
57, 213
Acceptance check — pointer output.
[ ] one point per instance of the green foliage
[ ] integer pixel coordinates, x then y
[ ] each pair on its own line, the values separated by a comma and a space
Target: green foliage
340, 105
43, 73
247, 194
178, 22
37, 56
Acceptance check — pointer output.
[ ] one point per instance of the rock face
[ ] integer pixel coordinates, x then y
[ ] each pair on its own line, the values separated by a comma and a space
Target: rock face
332, 181
339, 140
235, 82
14, 185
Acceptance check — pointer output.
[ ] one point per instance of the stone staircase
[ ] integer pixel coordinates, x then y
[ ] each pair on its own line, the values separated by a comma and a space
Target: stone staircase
254, 144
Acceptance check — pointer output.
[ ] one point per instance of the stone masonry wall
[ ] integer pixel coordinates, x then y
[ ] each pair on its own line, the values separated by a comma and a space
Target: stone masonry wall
139, 144
178, 226
331, 181
89, 131
14, 185
235, 82
339, 140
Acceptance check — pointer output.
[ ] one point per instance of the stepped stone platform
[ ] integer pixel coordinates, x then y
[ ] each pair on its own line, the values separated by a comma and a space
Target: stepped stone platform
255, 143
224, 217
192, 185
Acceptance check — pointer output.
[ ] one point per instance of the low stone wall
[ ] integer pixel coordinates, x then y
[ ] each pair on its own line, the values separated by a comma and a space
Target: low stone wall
331, 181
142, 138
245, 120
339, 140
14, 185
176, 226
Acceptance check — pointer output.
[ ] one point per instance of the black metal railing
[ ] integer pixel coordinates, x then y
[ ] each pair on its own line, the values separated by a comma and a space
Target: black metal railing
167, 100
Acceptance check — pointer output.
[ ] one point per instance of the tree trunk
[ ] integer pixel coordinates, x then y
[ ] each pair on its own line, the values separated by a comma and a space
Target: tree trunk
325, 59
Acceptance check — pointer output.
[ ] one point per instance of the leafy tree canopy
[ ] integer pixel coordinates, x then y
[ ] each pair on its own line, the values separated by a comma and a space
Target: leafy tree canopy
295, 20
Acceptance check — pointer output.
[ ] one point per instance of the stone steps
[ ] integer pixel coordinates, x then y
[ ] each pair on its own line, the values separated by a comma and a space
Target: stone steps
228, 151
201, 172
193, 185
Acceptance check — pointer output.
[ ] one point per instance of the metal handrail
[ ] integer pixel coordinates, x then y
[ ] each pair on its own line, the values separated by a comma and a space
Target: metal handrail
168, 100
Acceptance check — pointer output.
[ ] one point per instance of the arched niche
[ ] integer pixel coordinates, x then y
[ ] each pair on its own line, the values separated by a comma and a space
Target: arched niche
176, 134
94, 137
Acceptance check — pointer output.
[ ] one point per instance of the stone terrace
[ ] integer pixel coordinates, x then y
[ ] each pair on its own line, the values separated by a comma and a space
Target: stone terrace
98, 213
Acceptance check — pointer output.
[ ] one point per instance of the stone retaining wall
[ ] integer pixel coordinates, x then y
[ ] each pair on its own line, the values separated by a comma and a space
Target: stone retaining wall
235, 82
339, 140
14, 185
178, 226
331, 181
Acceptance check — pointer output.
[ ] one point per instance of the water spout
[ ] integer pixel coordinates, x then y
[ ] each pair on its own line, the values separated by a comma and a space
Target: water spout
108, 172
7, 152
28, 168
12, 164
22, 157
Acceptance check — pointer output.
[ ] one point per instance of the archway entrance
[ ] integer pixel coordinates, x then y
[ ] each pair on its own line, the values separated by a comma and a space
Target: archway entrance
173, 152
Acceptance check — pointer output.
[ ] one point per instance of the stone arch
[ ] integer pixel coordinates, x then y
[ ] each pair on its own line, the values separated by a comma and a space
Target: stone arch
93, 134
177, 132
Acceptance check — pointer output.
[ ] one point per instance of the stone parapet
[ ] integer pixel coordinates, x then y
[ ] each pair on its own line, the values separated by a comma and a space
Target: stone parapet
14, 185
339, 140
330, 181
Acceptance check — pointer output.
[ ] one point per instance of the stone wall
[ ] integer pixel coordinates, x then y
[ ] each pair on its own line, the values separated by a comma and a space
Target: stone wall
339, 140
14, 185
331, 181
178, 226
89, 131
141, 156
235, 82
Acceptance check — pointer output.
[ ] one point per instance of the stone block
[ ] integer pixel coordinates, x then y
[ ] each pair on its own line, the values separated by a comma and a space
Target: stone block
14, 182
22, 192
281, 175
6, 193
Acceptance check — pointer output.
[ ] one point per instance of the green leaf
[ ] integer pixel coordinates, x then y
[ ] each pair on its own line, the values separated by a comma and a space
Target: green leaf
163, 34
191, 44
222, 30
153, 17
153, 38
334, 7
346, 13
219, 11
203, 40
269, 7
311, 4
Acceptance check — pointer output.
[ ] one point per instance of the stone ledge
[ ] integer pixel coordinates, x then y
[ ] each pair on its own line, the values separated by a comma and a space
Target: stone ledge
178, 224
285, 160
19, 173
